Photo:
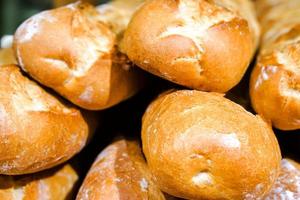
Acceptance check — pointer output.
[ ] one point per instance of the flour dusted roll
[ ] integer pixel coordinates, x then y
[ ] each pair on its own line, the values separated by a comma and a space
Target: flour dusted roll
56, 184
275, 80
37, 130
201, 145
287, 184
70, 50
205, 45
120, 173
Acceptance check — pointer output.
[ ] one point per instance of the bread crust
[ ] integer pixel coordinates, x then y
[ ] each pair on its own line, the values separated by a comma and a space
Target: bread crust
55, 184
205, 45
118, 13
37, 130
7, 57
120, 173
275, 80
203, 146
79, 60
287, 184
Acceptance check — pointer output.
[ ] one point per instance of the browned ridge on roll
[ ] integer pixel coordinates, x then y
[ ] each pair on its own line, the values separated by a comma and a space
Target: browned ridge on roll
275, 80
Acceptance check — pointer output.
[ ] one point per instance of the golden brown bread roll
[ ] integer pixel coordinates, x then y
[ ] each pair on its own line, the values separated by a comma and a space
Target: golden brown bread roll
55, 184
120, 173
205, 45
203, 146
275, 80
37, 130
117, 13
59, 3
7, 56
71, 51
287, 185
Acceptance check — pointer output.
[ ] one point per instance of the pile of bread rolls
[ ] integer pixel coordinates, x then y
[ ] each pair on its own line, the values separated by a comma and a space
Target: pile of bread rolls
172, 66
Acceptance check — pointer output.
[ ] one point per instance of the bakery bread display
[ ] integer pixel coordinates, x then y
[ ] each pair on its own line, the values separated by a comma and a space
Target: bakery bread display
201, 145
70, 50
205, 45
37, 130
120, 173
54, 184
190, 132
275, 80
287, 184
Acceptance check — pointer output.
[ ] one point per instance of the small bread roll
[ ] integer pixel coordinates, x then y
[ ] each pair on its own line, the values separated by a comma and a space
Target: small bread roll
7, 57
117, 13
203, 146
205, 45
287, 184
275, 80
37, 130
120, 173
59, 3
56, 184
71, 51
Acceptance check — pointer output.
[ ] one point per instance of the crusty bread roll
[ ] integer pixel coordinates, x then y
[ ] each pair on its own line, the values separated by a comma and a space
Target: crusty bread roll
54, 184
71, 51
59, 3
7, 56
117, 13
287, 186
275, 80
205, 45
203, 146
37, 130
120, 173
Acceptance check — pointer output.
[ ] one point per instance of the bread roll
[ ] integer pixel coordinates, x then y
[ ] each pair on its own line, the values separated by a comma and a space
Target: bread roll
287, 186
117, 14
7, 57
275, 80
56, 184
71, 51
205, 45
120, 173
37, 130
59, 3
203, 146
